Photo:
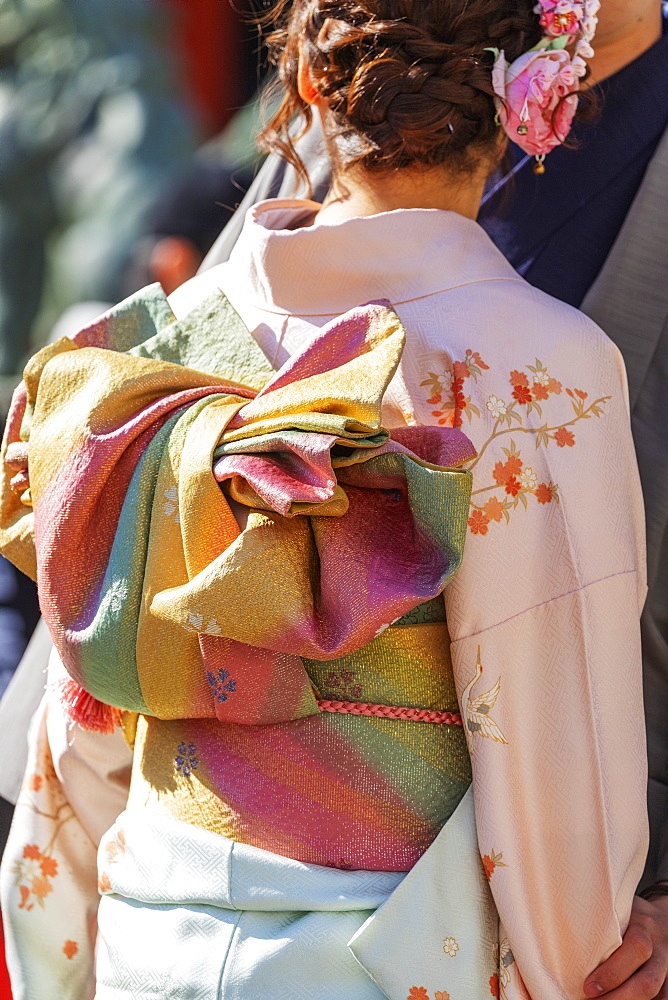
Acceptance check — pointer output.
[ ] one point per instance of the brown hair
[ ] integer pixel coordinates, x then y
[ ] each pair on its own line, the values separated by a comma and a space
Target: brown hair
407, 82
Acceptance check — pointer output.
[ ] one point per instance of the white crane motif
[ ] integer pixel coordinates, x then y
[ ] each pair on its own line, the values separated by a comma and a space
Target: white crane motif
506, 959
478, 721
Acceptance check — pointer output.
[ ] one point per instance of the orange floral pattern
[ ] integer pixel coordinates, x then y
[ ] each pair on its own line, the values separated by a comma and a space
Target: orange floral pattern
478, 523
115, 846
33, 876
420, 993
492, 861
514, 483
37, 867
104, 883
113, 849
448, 391
70, 949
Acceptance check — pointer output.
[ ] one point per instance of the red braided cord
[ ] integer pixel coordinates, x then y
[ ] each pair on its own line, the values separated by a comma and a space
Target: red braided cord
391, 712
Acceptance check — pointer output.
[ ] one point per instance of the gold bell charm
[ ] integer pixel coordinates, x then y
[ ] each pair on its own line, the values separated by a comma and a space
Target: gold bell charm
539, 165
522, 128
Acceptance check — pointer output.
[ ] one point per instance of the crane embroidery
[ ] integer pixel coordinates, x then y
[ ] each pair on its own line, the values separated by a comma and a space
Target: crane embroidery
478, 721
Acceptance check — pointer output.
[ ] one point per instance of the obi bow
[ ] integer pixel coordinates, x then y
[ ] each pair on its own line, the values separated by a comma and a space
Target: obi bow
126, 475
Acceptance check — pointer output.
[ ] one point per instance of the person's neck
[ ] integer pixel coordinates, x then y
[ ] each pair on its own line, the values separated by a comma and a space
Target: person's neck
615, 49
357, 192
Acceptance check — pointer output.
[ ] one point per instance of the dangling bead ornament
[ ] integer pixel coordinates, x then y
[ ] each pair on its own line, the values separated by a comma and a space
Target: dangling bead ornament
525, 119
536, 95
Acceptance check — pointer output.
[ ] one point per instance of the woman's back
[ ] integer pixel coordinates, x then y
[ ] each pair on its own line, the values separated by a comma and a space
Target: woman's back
552, 581
263, 768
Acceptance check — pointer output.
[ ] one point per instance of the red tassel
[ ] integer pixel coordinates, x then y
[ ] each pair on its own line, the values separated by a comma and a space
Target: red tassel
85, 710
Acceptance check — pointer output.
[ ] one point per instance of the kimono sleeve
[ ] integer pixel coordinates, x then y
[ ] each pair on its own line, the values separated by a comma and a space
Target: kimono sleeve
75, 786
544, 623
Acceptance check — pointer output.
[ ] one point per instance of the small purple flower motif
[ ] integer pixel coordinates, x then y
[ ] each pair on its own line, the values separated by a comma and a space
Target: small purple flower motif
186, 760
343, 684
222, 685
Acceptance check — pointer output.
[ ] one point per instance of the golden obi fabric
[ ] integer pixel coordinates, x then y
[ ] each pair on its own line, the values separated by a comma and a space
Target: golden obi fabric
344, 790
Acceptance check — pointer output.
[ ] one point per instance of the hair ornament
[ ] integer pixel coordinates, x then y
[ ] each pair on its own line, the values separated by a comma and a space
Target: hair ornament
536, 95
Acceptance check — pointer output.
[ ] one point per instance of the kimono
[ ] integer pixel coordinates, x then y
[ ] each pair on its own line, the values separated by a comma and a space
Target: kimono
521, 884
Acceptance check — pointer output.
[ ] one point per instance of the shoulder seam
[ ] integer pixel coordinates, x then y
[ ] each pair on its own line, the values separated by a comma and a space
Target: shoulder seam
552, 600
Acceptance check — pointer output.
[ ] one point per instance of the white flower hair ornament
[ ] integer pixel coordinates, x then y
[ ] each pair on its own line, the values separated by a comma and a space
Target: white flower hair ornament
536, 95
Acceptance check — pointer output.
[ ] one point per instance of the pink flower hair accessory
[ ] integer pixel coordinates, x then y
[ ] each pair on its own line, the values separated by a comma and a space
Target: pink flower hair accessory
559, 17
536, 95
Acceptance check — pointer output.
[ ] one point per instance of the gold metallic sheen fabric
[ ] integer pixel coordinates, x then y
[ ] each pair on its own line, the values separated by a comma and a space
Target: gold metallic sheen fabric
339, 790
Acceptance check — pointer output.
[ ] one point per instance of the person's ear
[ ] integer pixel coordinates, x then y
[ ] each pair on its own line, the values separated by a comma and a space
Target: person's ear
307, 89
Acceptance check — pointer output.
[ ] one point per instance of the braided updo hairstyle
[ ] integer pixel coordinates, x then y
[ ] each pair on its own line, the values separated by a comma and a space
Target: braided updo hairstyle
407, 82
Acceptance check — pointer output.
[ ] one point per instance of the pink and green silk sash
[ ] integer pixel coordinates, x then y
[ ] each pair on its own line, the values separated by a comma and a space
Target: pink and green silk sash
126, 452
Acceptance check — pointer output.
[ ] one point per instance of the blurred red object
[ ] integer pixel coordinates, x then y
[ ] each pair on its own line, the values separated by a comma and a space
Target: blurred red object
5, 987
209, 37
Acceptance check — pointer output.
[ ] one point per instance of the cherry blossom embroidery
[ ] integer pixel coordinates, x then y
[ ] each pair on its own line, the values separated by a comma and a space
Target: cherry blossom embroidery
450, 946
114, 847
34, 873
448, 390
221, 684
490, 862
186, 760
195, 623
515, 483
343, 683
104, 883
564, 438
70, 949
494, 984
37, 868
417, 993
441, 995
478, 721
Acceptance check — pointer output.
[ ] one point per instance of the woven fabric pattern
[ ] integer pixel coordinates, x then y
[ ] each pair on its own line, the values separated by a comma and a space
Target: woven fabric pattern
157, 601
337, 789
390, 712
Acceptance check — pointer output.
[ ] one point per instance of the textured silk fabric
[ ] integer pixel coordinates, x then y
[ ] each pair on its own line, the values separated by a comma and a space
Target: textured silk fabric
140, 559
185, 914
237, 923
338, 790
74, 788
542, 615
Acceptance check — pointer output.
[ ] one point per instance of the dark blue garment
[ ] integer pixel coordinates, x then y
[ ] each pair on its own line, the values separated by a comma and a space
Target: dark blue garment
19, 613
557, 228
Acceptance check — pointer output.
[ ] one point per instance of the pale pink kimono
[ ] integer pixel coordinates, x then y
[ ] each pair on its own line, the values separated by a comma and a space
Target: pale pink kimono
544, 613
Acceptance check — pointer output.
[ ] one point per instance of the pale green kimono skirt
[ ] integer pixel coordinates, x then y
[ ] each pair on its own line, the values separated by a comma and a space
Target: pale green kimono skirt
189, 915
206, 918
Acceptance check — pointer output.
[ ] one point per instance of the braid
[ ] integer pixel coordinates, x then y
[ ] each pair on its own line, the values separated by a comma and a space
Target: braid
408, 80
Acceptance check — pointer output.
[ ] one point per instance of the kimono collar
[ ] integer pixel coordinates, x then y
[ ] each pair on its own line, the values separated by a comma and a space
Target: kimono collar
296, 266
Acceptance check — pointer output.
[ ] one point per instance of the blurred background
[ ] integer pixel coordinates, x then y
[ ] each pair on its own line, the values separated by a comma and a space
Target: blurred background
126, 141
